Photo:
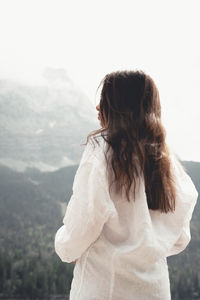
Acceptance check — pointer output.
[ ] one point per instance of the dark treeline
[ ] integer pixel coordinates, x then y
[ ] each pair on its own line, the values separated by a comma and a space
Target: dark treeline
33, 276
32, 205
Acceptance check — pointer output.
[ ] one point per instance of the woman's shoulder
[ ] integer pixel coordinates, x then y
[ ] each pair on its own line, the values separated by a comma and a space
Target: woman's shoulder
184, 182
176, 164
94, 150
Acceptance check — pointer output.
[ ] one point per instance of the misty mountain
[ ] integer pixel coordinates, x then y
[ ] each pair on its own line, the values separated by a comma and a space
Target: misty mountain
43, 125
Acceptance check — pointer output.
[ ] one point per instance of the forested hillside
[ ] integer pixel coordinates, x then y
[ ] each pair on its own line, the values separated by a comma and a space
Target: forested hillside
31, 208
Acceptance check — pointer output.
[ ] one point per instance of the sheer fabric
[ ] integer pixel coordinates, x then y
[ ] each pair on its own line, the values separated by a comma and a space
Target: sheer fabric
121, 247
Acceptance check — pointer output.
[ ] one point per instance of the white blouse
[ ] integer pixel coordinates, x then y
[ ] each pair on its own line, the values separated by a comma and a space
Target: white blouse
120, 246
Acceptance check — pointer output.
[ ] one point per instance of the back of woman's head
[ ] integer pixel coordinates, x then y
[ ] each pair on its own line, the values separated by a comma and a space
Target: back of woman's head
130, 114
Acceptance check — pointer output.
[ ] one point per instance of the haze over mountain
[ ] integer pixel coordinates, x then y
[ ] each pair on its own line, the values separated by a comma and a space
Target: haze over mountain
42, 125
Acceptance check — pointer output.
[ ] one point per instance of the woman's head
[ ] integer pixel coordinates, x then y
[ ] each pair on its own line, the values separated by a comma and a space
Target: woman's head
129, 99
130, 116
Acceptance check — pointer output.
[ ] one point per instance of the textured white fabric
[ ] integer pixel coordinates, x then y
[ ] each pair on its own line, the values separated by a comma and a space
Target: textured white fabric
120, 246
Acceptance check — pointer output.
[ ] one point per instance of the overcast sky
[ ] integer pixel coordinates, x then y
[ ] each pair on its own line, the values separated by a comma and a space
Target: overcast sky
91, 38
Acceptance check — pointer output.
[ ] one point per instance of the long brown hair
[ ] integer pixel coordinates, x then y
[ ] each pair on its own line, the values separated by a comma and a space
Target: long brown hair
131, 113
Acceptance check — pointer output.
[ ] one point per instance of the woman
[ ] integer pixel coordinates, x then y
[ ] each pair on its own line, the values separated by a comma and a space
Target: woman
132, 200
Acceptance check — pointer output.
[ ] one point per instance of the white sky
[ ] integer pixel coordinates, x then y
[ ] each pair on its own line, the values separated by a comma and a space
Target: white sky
91, 38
